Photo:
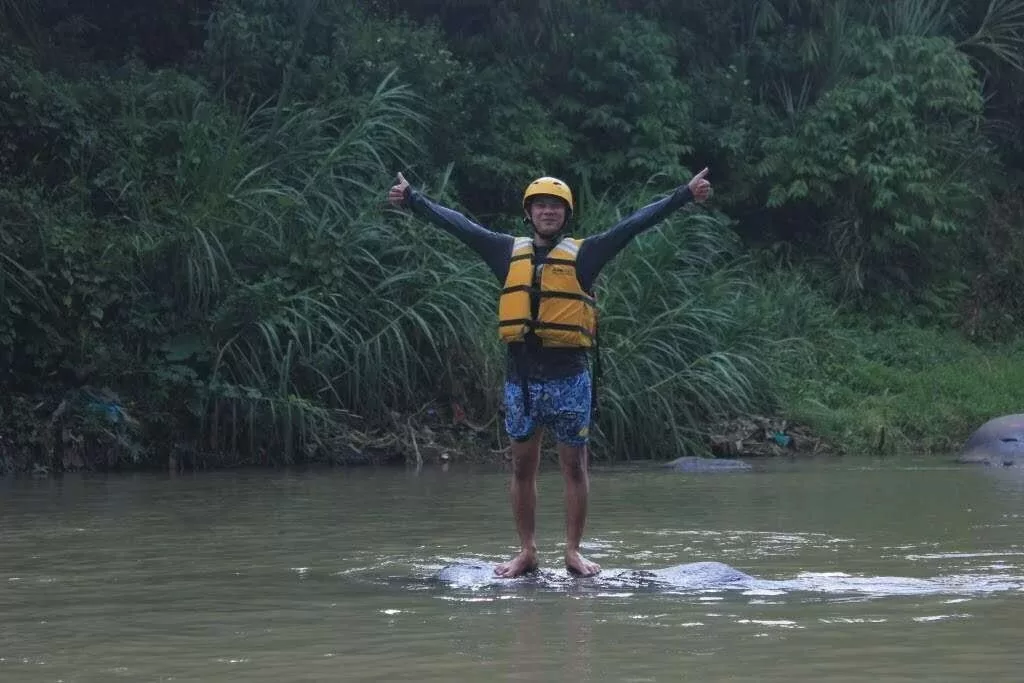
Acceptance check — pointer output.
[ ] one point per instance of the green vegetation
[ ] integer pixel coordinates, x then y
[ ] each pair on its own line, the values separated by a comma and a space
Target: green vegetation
197, 263
904, 389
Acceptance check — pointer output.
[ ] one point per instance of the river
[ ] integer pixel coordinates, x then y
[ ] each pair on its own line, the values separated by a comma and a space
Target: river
889, 570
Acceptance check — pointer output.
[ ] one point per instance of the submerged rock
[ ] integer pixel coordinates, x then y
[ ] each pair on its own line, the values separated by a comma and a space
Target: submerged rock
705, 577
695, 464
691, 576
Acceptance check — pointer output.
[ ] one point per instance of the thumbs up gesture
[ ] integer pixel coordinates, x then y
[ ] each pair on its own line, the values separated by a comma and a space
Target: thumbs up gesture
700, 188
396, 195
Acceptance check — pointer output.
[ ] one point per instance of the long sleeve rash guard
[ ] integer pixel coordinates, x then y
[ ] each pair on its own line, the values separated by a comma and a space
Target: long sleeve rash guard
538, 362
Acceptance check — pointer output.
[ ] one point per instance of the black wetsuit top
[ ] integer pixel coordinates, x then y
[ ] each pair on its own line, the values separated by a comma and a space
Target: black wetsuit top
538, 362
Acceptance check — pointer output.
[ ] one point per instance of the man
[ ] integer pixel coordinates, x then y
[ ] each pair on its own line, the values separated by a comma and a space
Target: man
547, 317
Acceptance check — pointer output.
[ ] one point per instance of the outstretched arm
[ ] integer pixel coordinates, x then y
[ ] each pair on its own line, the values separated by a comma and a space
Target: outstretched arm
598, 250
494, 247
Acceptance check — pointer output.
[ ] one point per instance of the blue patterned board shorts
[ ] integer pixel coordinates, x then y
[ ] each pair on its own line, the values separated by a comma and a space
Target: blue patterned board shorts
561, 404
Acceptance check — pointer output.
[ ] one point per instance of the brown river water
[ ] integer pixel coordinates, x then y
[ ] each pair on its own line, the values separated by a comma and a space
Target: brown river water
859, 570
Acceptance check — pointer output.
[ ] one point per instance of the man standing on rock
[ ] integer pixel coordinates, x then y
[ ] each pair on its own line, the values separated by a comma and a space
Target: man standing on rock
548, 319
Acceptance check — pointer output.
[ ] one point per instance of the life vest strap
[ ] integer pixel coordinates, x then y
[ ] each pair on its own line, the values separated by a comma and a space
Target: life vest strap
536, 325
567, 328
556, 261
547, 260
549, 294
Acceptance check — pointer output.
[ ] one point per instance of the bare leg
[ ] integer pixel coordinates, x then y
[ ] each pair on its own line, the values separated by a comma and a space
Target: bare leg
573, 460
525, 462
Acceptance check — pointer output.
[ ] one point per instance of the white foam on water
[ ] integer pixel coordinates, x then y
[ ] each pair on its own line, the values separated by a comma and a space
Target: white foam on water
780, 623
962, 555
489, 598
941, 617
713, 581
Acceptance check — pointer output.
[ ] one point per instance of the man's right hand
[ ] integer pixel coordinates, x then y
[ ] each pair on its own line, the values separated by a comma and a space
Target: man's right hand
397, 193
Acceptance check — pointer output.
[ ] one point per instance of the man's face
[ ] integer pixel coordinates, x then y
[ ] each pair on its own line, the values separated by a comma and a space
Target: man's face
547, 214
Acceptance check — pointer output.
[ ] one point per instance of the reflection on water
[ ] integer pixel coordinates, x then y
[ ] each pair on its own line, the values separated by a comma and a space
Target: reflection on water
901, 570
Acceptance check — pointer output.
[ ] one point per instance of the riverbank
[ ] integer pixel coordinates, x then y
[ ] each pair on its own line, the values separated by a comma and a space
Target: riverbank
893, 391
93, 431
901, 389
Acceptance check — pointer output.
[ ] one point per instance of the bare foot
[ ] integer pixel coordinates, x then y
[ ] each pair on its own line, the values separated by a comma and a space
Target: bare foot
578, 565
523, 563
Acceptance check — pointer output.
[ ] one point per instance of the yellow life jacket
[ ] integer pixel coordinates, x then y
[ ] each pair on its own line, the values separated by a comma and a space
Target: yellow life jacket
566, 317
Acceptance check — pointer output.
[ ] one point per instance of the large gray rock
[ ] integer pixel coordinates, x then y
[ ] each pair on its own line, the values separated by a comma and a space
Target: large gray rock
703, 575
691, 463
999, 441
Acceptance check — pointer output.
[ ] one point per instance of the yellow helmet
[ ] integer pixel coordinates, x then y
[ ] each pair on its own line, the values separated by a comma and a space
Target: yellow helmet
551, 186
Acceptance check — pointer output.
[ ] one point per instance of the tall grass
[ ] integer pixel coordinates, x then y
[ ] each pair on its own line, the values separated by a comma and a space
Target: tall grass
311, 303
687, 335
901, 389
999, 30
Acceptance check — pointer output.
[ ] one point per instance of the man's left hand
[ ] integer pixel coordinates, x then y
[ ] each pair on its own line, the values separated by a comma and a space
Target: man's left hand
700, 188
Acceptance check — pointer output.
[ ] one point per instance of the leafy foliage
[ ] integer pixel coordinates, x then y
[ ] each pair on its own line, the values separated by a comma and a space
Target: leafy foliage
195, 255
890, 159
